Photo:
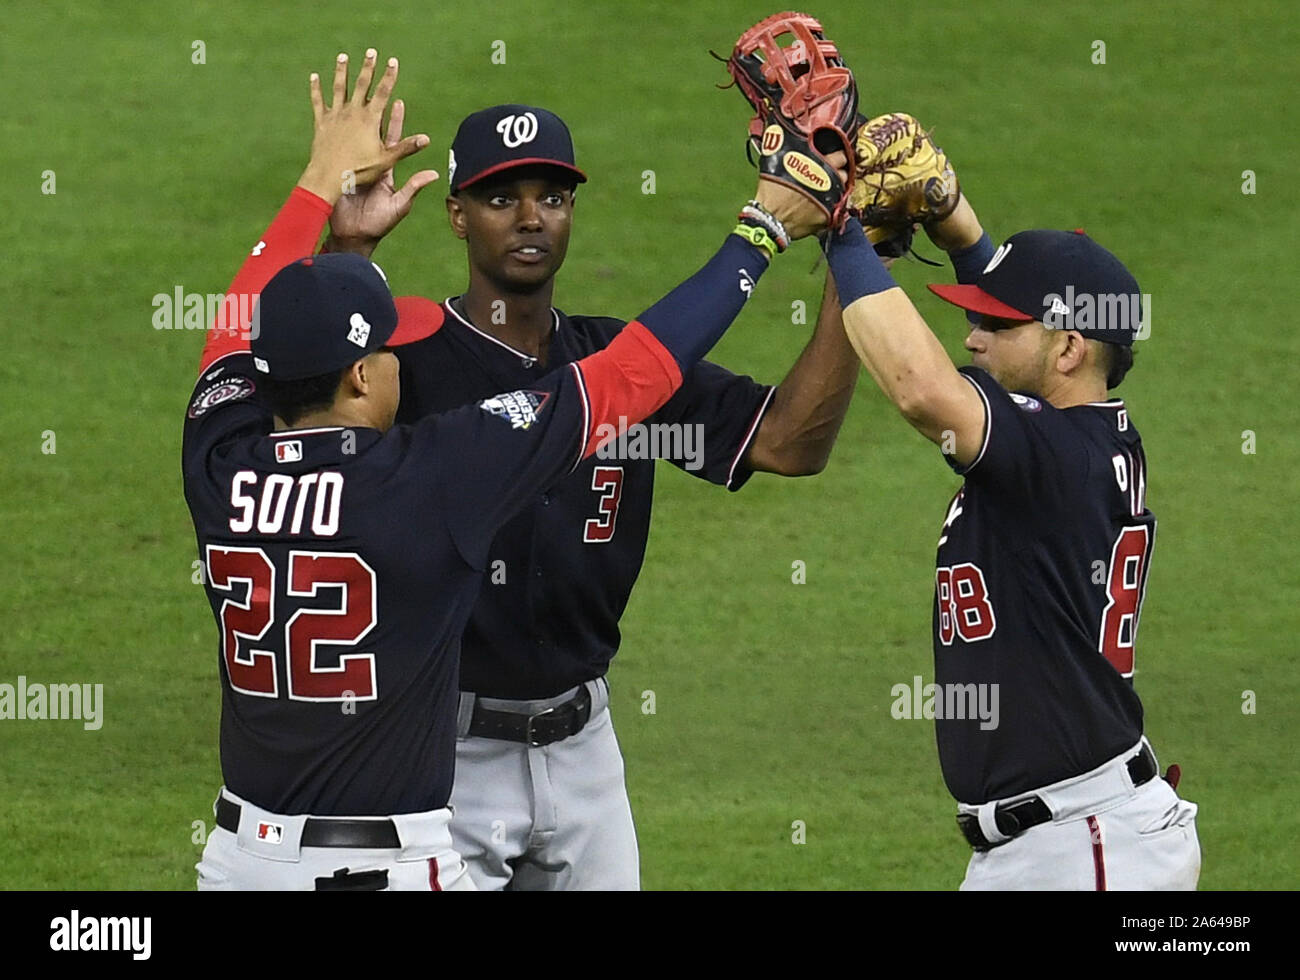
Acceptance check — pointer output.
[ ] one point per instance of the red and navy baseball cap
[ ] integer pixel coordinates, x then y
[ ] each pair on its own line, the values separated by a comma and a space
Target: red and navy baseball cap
1063, 279
506, 136
322, 314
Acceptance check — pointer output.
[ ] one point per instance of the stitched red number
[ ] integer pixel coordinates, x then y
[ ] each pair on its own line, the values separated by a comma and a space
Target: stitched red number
249, 619
249, 613
1124, 583
610, 480
348, 624
964, 607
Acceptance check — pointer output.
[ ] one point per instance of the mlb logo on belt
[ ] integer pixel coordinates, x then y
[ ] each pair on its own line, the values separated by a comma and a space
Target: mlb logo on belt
272, 833
288, 452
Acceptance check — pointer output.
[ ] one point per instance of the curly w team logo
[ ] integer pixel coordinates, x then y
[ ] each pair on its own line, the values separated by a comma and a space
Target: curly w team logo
223, 391
518, 130
521, 408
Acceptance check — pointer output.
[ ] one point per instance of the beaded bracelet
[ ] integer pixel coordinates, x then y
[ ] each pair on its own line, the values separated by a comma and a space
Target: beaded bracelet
770, 221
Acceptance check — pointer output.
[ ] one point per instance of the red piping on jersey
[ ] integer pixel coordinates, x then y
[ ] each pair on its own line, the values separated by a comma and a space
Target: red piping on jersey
586, 416
292, 234
631, 378
1098, 857
434, 883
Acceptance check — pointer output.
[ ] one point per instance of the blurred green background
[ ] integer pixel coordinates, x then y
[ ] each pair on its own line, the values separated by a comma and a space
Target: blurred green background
772, 699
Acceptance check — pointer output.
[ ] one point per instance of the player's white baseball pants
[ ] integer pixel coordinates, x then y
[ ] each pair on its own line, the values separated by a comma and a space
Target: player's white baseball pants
265, 854
545, 818
1105, 834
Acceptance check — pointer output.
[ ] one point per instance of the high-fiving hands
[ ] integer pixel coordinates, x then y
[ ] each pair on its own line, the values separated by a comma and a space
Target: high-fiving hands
349, 155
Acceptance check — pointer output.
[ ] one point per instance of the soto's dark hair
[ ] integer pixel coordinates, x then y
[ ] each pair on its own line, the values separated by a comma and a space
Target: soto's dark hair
291, 400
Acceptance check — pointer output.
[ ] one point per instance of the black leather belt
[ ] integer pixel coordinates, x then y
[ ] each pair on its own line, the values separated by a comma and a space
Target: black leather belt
324, 831
1015, 818
541, 728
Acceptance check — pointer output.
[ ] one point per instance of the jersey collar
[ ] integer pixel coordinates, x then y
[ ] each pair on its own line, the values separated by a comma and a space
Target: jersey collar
528, 359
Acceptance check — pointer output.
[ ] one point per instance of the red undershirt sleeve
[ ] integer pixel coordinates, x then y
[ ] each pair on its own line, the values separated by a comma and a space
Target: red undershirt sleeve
629, 380
292, 235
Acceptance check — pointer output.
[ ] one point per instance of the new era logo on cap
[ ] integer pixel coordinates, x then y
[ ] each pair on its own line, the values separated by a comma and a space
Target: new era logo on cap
506, 136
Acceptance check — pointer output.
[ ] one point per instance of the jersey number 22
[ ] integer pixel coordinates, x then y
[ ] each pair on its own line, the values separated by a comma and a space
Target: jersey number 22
249, 613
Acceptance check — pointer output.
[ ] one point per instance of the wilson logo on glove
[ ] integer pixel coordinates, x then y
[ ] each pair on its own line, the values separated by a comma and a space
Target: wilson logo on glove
806, 172
806, 102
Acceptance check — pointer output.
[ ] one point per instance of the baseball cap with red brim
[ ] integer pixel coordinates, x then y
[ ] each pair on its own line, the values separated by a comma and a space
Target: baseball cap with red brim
323, 313
1062, 278
507, 136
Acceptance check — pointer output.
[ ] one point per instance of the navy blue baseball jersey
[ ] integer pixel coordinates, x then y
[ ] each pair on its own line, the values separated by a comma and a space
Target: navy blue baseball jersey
339, 639
342, 565
1041, 569
560, 573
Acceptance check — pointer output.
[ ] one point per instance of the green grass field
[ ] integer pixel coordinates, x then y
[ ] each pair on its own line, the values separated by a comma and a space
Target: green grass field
772, 699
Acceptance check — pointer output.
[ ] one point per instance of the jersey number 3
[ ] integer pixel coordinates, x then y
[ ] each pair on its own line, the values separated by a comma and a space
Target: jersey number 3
609, 480
249, 614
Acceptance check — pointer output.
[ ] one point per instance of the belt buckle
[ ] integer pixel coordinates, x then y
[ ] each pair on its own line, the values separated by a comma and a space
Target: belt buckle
528, 731
969, 826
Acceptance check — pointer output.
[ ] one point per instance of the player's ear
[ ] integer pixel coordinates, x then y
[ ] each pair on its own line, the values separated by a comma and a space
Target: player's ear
1073, 353
356, 380
456, 216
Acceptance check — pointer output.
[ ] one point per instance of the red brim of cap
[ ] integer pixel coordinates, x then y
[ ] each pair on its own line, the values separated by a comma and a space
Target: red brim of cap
524, 162
417, 318
973, 298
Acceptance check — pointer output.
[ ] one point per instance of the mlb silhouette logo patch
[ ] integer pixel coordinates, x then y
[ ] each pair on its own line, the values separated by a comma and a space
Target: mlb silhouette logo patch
288, 452
271, 833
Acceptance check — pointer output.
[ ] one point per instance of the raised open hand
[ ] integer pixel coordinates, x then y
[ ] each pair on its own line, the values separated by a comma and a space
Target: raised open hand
347, 151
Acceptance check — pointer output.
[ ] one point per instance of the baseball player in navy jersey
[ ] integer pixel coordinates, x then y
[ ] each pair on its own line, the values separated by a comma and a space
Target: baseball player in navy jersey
540, 797
343, 553
1043, 555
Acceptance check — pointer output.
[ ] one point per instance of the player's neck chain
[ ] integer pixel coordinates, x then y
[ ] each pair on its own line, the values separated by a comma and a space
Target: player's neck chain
457, 306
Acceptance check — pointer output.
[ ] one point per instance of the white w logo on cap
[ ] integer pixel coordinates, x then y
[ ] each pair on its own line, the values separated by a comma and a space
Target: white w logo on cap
1003, 251
517, 130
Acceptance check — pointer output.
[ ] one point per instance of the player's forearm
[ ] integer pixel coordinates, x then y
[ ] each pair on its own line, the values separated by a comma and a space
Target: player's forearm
644, 365
292, 234
694, 315
799, 430
898, 349
959, 230
969, 248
